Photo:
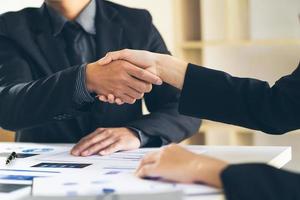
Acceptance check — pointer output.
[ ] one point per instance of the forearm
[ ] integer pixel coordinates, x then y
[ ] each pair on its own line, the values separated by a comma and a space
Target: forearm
259, 182
218, 96
31, 103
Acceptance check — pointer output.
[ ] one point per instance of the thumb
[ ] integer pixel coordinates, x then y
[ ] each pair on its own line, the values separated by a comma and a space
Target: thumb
105, 60
114, 55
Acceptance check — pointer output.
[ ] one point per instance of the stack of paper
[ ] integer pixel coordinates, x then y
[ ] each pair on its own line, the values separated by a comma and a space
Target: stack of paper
54, 172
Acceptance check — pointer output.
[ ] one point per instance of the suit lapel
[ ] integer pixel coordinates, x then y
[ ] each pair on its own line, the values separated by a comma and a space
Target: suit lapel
108, 38
109, 35
50, 46
53, 51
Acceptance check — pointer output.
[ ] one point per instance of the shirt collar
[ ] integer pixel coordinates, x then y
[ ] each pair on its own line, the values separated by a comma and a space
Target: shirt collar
86, 19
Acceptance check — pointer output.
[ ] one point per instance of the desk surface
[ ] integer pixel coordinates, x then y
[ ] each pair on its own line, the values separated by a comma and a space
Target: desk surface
275, 156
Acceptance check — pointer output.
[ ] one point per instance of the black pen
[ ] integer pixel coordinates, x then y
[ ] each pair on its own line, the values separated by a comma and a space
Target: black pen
11, 157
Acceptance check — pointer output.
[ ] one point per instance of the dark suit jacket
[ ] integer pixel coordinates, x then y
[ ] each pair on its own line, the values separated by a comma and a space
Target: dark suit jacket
253, 104
37, 81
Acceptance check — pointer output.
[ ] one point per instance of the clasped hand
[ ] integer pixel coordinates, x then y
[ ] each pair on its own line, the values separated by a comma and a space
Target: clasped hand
119, 74
127, 75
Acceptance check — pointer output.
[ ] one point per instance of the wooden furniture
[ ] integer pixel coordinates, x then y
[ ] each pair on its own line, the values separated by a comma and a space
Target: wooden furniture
6, 136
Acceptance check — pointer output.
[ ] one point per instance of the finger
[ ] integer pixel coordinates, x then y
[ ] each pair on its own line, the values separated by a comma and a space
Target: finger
111, 98
103, 98
105, 60
89, 141
117, 146
127, 99
149, 159
119, 101
143, 75
99, 146
114, 55
76, 150
133, 93
139, 85
148, 171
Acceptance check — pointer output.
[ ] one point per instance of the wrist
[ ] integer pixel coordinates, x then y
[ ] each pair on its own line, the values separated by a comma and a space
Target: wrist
210, 171
135, 135
171, 70
160, 60
89, 77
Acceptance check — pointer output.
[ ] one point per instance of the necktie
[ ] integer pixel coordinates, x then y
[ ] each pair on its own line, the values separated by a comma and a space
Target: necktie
78, 48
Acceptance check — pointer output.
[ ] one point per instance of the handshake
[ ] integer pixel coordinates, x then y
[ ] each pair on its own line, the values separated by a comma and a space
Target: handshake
124, 76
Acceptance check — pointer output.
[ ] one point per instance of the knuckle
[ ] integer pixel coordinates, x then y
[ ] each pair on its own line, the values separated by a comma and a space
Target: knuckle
118, 93
127, 99
164, 151
135, 95
76, 147
132, 101
141, 73
140, 96
108, 54
99, 129
92, 140
172, 145
82, 141
125, 52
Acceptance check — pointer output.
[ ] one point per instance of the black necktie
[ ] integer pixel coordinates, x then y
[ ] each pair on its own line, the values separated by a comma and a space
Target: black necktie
78, 48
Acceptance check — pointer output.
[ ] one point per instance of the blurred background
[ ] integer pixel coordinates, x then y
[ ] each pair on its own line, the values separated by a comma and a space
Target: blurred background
248, 38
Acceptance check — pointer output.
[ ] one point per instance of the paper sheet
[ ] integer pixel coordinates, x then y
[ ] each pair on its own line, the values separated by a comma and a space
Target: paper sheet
69, 175
13, 191
77, 185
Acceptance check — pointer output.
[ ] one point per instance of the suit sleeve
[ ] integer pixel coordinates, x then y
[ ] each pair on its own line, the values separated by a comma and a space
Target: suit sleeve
259, 182
244, 102
25, 102
164, 124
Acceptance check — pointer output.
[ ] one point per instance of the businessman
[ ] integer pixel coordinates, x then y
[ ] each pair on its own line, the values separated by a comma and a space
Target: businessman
49, 78
245, 102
